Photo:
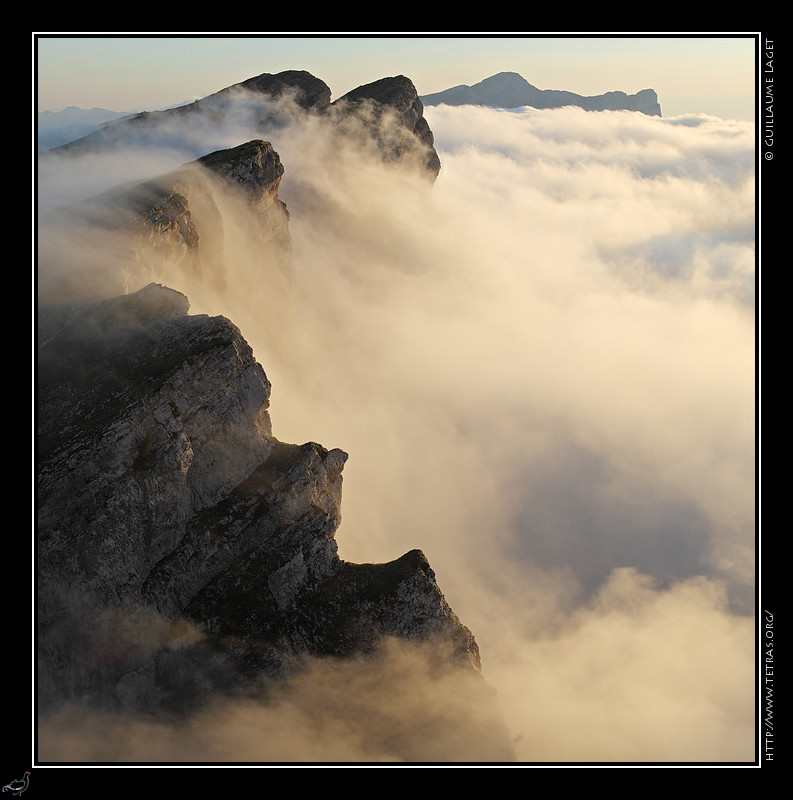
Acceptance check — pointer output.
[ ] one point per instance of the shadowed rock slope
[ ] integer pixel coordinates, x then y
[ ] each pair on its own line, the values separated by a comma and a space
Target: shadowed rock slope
186, 554
387, 113
186, 558
252, 102
174, 229
380, 103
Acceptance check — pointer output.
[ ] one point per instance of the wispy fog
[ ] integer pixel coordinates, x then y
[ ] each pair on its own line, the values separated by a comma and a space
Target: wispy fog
334, 710
542, 369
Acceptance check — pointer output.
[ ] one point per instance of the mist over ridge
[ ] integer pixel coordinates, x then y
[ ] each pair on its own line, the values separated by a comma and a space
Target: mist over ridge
558, 360
542, 369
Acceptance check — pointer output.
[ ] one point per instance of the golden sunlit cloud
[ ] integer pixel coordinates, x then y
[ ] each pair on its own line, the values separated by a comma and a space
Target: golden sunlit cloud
543, 372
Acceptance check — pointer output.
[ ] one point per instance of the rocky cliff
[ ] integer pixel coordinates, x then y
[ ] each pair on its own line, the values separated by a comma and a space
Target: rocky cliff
174, 228
185, 555
184, 552
510, 90
387, 113
257, 101
393, 115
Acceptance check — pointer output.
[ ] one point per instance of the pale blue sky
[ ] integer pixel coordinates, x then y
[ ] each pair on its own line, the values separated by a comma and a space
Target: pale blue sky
692, 73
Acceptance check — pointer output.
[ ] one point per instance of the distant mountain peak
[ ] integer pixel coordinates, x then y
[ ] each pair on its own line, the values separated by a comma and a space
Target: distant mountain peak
507, 76
511, 90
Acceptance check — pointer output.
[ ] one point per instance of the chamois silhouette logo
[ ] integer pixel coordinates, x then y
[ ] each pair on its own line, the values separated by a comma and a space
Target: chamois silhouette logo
17, 787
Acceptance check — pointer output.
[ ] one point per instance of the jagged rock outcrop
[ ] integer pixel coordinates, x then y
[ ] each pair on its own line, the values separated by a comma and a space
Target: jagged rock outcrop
256, 170
388, 111
510, 90
172, 229
306, 90
183, 551
252, 102
377, 104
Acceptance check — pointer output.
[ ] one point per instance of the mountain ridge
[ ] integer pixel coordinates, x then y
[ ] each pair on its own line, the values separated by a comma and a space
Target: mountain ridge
511, 90
388, 110
185, 555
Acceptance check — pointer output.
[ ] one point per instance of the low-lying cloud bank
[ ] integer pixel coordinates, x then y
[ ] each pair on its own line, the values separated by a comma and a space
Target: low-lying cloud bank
544, 375
392, 708
543, 372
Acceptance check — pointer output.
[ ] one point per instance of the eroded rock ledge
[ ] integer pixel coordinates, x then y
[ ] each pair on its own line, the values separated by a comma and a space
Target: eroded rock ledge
172, 228
182, 549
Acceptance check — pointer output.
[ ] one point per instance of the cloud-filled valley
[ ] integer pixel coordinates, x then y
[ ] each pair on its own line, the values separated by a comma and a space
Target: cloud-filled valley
542, 368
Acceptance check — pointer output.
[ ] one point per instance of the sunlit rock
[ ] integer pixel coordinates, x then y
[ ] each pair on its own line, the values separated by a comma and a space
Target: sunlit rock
183, 551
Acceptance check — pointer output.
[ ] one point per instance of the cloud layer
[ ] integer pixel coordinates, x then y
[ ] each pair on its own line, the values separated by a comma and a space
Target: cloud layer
542, 370
544, 377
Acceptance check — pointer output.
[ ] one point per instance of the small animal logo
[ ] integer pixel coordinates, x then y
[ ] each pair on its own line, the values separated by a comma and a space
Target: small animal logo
17, 787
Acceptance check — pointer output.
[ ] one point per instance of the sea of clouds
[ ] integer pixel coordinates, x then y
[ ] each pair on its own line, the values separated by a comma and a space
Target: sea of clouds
544, 375
542, 369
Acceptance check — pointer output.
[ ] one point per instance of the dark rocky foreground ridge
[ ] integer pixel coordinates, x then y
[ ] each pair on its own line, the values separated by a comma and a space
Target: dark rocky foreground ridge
185, 555
510, 90
162, 484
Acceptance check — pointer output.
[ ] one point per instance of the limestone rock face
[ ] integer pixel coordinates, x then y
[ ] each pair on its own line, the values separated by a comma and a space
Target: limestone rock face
172, 229
255, 166
256, 170
308, 91
390, 109
146, 417
510, 90
185, 555
381, 103
252, 102
183, 551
